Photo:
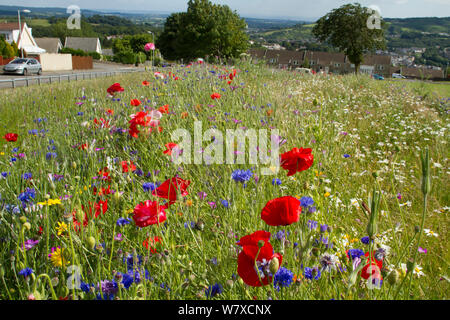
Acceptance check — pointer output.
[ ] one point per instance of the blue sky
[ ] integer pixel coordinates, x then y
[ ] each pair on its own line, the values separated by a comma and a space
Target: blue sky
260, 8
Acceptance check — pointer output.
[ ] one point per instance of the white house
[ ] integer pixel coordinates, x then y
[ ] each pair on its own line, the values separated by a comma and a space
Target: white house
24, 39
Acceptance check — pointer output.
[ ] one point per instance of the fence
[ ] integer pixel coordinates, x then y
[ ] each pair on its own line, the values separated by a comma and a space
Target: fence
82, 63
4, 61
63, 77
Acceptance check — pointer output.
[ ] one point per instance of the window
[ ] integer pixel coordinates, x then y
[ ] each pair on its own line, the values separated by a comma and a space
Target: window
295, 62
337, 65
313, 63
380, 68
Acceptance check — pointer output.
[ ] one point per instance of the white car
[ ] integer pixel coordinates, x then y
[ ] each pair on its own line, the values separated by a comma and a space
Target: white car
398, 76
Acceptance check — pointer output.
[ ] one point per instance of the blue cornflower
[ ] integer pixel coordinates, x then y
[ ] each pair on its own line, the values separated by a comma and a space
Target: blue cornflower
123, 221
85, 287
80, 113
148, 186
26, 272
346, 155
355, 253
15, 150
306, 202
365, 240
283, 278
312, 209
34, 131
281, 235
225, 203
26, 196
27, 176
4, 174
311, 273
129, 259
109, 287
276, 182
214, 290
241, 175
127, 280
312, 224
323, 227
50, 155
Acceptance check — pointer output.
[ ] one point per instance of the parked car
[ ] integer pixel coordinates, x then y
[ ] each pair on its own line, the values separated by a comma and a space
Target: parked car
303, 70
378, 77
23, 66
398, 76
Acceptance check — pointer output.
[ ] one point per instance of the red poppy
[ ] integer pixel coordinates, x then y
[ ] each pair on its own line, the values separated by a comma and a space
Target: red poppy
229, 82
126, 168
231, 76
376, 266
297, 160
104, 174
170, 146
215, 95
135, 102
145, 83
281, 211
152, 244
11, 137
84, 146
101, 123
102, 191
249, 260
148, 213
168, 189
110, 111
114, 88
139, 119
164, 109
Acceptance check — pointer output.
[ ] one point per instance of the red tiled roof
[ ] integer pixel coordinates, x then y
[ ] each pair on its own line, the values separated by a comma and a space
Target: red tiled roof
9, 26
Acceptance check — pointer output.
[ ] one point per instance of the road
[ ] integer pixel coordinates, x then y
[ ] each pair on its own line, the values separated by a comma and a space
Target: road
72, 75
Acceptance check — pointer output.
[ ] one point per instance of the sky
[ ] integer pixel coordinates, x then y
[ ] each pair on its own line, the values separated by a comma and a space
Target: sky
294, 9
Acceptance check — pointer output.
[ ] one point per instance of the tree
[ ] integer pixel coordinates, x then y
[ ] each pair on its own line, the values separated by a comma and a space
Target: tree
205, 29
346, 28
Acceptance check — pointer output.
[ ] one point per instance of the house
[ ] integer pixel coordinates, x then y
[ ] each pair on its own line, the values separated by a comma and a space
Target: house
85, 44
420, 73
51, 45
327, 62
22, 36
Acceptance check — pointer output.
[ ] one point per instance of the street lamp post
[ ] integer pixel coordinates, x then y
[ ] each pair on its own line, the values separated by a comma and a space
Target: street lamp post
20, 28
153, 51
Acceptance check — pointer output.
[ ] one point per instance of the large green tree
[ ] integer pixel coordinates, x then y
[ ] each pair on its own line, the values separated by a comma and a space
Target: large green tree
205, 29
350, 29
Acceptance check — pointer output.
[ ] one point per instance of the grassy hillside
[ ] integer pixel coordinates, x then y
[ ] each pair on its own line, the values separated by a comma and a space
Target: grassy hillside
73, 161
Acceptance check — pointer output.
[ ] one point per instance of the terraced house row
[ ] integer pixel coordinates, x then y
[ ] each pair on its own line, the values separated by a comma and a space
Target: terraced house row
338, 63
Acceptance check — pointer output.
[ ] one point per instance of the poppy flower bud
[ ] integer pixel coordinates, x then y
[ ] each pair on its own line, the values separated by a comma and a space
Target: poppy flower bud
410, 265
393, 277
79, 215
27, 225
372, 225
23, 219
315, 251
74, 165
416, 229
91, 242
274, 265
117, 196
375, 174
261, 243
426, 181
200, 225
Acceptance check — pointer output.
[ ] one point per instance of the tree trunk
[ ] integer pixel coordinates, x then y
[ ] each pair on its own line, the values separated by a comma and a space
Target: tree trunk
357, 68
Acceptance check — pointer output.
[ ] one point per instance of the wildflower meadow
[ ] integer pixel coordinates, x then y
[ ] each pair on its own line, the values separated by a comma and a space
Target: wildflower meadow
94, 203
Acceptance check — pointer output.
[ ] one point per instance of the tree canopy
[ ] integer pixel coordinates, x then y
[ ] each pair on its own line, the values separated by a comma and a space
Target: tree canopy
205, 29
347, 28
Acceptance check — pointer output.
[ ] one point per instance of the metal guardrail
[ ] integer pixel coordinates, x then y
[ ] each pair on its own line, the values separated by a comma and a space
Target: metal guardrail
64, 77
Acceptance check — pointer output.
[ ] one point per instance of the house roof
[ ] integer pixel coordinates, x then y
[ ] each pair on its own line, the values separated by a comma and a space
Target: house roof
9, 26
85, 44
376, 59
419, 72
326, 58
51, 45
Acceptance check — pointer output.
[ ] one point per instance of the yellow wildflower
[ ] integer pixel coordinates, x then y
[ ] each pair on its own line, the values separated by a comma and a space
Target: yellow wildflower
57, 258
62, 226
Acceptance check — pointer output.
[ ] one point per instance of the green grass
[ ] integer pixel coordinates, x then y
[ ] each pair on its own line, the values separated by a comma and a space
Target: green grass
381, 126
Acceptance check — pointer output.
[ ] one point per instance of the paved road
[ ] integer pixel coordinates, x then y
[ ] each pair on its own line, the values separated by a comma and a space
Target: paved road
99, 68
